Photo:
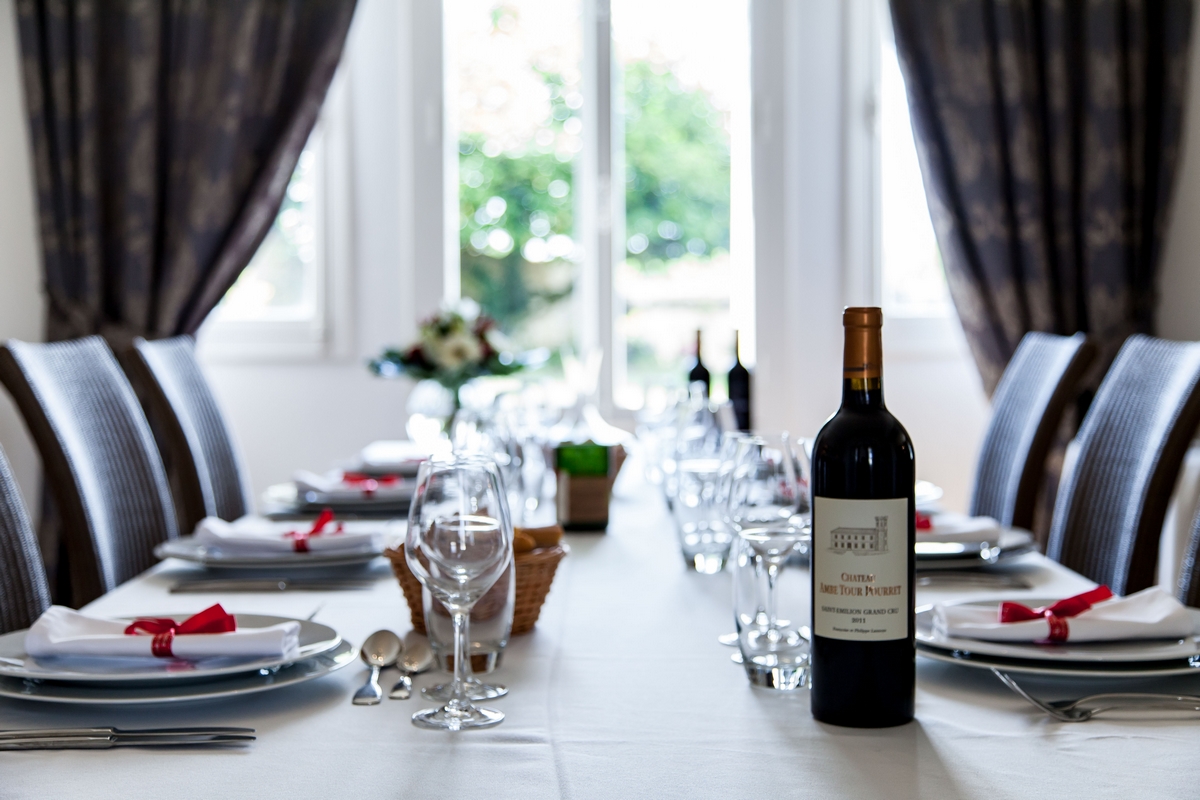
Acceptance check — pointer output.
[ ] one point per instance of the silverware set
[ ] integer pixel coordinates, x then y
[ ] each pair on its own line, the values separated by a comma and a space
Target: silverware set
105, 738
1085, 708
384, 649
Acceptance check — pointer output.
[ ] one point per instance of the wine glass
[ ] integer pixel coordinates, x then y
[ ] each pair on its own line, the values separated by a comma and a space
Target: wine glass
459, 543
765, 503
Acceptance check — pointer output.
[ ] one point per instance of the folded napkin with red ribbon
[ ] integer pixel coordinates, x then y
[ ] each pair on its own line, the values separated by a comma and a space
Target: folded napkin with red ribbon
213, 633
260, 536
949, 526
1093, 616
352, 487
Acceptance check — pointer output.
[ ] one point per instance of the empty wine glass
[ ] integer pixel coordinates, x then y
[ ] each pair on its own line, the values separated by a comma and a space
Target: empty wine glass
459, 543
764, 509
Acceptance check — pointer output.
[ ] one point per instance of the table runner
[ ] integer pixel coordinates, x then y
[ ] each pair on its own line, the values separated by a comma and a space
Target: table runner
621, 692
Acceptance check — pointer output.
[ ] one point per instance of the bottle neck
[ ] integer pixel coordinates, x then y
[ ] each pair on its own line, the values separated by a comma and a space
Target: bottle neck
862, 393
862, 367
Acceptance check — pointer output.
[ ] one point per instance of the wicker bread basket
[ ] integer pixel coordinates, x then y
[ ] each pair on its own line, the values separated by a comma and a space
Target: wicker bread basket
535, 573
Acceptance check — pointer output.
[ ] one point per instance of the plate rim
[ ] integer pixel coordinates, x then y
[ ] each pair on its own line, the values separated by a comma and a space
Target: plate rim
1073, 669
341, 656
329, 644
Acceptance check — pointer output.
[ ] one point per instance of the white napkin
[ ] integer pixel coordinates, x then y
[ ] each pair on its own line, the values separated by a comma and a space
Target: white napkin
61, 631
949, 526
1149, 614
252, 535
334, 489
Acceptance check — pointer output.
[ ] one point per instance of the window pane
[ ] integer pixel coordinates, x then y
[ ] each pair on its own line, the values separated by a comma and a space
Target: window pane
514, 97
914, 284
685, 69
282, 281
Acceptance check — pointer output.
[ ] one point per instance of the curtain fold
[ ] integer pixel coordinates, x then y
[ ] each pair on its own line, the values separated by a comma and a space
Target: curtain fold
1048, 133
164, 136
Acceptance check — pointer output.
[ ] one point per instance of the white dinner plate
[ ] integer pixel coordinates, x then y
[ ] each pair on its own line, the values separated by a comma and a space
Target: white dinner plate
1012, 542
1068, 654
228, 686
188, 549
286, 497
315, 639
1065, 669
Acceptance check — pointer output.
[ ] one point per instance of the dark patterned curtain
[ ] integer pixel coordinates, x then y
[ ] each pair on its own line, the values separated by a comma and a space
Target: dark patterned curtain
164, 136
1048, 133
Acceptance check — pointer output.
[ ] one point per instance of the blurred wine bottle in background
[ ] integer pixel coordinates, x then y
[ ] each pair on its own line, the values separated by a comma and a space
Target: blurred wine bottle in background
699, 372
739, 385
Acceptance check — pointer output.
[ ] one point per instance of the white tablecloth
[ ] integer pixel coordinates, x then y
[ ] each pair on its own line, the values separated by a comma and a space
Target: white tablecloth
622, 691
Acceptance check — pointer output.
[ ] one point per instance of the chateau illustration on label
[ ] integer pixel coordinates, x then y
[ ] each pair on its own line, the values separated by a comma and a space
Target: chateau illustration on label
860, 541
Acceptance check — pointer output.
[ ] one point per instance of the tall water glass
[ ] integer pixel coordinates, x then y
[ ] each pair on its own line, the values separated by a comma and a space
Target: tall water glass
459, 543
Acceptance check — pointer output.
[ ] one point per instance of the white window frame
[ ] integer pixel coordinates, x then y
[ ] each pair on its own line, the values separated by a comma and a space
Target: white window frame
327, 335
934, 336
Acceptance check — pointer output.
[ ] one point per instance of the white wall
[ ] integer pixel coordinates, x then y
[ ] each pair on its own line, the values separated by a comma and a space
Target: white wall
22, 307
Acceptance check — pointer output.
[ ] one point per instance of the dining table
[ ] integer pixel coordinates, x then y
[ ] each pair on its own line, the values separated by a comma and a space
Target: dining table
621, 691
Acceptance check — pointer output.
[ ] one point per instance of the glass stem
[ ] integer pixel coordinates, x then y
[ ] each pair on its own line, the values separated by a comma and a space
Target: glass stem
458, 687
772, 576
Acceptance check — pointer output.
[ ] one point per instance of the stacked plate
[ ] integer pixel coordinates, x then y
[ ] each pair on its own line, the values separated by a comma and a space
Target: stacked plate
1126, 659
120, 681
188, 548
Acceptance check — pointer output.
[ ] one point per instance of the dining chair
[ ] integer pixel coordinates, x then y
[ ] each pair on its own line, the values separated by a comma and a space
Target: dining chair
1188, 590
99, 456
1108, 515
24, 592
196, 444
1041, 379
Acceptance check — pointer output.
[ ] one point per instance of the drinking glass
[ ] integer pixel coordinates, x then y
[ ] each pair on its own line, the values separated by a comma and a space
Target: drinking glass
488, 629
765, 505
699, 511
459, 544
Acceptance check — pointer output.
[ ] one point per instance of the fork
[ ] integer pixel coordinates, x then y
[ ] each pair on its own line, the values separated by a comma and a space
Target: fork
1070, 711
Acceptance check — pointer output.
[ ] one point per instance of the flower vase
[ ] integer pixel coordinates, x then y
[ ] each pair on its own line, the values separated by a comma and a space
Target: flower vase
432, 409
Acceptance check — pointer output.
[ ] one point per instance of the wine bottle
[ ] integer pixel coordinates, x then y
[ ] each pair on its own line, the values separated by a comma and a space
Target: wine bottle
699, 372
863, 473
739, 386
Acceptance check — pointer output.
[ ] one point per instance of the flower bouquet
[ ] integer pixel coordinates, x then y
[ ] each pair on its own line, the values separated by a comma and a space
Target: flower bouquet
456, 345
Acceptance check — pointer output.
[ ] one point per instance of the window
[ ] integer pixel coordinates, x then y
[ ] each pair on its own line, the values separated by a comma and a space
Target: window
912, 278
685, 75
514, 100
544, 238
282, 281
290, 300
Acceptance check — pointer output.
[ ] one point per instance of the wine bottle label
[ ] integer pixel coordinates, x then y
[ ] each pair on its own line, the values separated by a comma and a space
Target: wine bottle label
860, 569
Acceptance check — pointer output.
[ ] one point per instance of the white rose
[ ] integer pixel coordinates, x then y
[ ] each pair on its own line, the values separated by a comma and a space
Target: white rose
456, 350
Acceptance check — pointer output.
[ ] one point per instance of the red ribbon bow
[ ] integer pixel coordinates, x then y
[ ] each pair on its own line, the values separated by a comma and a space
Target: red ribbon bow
300, 538
924, 522
367, 483
1057, 613
213, 619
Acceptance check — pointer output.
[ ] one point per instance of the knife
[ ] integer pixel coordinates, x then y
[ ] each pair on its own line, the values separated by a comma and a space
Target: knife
104, 738
272, 585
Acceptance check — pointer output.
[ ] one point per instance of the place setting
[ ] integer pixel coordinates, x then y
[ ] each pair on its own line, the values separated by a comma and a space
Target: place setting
76, 658
1090, 638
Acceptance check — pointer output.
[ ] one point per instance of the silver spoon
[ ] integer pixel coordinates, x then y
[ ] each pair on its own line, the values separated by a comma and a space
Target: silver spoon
379, 650
417, 658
